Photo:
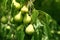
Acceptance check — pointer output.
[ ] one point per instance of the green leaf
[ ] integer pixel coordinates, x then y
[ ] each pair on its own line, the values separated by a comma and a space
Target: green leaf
27, 37
20, 34
38, 24
32, 38
37, 35
35, 14
45, 20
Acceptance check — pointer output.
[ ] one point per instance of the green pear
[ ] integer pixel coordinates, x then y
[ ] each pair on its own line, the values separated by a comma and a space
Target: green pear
4, 19
8, 27
29, 29
27, 19
18, 17
24, 9
16, 4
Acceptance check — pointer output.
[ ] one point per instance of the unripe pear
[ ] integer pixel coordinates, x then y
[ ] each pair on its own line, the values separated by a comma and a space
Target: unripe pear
27, 19
8, 27
4, 19
16, 4
18, 17
29, 29
24, 9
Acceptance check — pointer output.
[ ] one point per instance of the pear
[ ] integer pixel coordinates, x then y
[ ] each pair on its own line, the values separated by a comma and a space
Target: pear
16, 4
18, 17
4, 19
8, 27
27, 19
29, 29
24, 9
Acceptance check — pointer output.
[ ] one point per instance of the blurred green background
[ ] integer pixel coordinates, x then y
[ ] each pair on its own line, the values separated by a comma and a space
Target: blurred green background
52, 7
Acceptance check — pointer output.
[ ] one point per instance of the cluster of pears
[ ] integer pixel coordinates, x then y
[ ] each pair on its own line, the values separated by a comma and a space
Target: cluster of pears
25, 18
21, 17
4, 20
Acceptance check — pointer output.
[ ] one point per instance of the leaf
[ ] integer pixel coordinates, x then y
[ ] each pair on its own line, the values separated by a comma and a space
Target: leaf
32, 38
20, 34
35, 14
45, 38
37, 35
38, 32
38, 24
45, 20
27, 37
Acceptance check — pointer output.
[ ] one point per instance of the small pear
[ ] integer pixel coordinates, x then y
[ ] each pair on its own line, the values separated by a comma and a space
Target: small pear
24, 9
16, 4
27, 19
58, 32
4, 19
18, 17
29, 29
8, 27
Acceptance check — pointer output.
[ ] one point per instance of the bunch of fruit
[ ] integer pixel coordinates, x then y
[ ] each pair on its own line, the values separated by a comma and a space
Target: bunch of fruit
22, 17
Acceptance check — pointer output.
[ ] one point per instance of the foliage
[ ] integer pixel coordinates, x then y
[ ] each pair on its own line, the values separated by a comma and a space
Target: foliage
44, 27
